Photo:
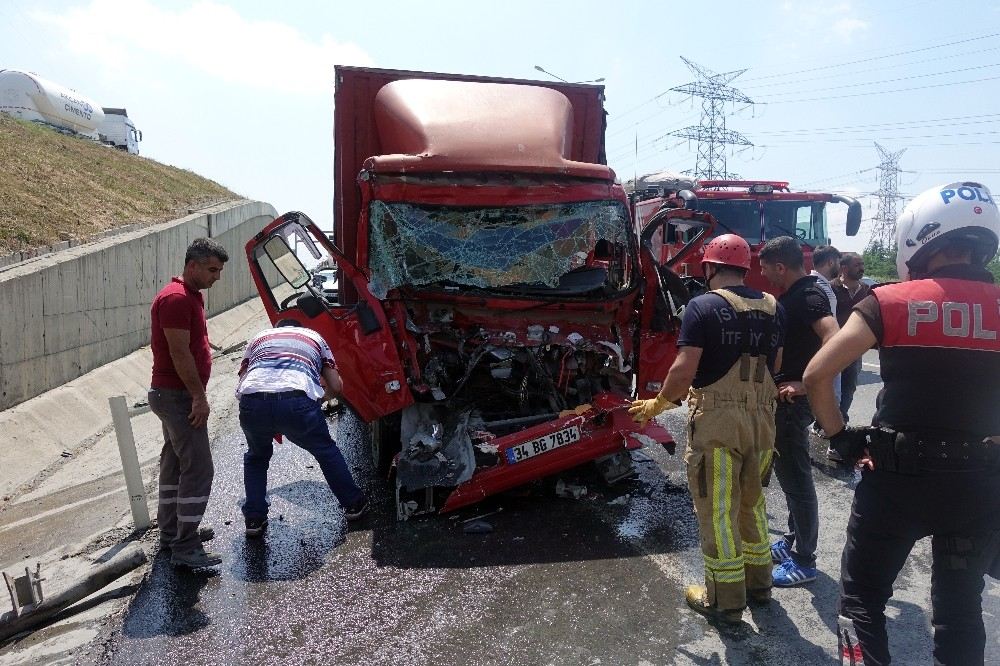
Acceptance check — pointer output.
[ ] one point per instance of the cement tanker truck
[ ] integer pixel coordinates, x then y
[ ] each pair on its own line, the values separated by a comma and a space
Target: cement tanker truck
27, 96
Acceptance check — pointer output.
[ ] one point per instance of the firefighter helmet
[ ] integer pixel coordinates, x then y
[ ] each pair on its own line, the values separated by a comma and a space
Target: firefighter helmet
935, 218
729, 250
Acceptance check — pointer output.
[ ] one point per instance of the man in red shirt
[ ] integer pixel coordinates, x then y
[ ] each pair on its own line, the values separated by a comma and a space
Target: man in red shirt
182, 362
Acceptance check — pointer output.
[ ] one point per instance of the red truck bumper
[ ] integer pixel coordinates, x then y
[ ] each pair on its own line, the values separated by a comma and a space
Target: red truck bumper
605, 428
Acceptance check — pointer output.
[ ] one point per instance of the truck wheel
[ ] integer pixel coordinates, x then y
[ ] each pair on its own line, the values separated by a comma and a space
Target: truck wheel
386, 436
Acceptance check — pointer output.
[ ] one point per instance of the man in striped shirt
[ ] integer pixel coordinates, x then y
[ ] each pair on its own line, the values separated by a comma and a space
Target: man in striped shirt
282, 380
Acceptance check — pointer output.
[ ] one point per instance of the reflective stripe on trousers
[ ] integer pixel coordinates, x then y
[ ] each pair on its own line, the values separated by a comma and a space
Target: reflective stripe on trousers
186, 470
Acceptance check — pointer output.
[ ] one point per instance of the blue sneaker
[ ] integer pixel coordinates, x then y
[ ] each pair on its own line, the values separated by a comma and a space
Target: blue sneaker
789, 574
780, 551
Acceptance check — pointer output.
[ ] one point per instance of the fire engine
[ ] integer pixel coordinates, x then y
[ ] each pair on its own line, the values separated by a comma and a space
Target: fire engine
757, 210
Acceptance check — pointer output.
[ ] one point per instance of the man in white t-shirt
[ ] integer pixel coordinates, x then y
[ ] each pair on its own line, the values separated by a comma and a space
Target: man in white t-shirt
281, 386
826, 267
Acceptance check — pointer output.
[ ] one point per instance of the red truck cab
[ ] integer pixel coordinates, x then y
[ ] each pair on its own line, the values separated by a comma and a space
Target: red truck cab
757, 210
495, 315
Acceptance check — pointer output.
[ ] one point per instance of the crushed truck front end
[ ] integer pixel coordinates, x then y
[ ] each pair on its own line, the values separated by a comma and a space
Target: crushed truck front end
516, 305
495, 319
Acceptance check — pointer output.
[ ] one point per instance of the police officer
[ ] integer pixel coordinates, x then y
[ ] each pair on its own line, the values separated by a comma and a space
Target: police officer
933, 464
730, 342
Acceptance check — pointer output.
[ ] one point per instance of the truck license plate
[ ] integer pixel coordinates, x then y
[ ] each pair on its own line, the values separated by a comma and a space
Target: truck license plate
543, 444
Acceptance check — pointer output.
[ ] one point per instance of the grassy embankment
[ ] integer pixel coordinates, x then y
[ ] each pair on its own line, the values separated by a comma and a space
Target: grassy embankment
55, 187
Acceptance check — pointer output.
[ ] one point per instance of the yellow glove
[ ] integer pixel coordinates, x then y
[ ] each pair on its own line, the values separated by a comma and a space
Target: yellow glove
643, 410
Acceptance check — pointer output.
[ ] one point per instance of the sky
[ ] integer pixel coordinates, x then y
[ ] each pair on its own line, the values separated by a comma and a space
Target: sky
242, 92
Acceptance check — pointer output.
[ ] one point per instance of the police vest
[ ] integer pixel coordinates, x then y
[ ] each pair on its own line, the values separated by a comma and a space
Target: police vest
940, 356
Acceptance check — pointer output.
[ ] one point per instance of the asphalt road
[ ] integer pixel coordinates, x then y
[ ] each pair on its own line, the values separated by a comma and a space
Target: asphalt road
596, 580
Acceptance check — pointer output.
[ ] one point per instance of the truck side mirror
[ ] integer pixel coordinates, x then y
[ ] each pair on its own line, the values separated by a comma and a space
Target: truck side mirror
853, 218
690, 199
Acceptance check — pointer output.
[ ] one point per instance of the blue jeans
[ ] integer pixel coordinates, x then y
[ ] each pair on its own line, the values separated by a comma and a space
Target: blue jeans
848, 385
794, 471
300, 420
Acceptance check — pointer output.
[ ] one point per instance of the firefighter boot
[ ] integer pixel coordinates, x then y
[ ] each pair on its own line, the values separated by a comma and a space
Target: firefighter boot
696, 597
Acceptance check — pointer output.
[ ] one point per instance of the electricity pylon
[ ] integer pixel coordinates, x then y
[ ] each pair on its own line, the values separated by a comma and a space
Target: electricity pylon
712, 135
884, 223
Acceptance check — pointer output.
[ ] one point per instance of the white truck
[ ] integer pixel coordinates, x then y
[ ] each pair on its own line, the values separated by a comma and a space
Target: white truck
119, 131
27, 96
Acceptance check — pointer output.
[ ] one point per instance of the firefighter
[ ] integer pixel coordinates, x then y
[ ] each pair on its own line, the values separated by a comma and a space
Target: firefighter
730, 343
932, 464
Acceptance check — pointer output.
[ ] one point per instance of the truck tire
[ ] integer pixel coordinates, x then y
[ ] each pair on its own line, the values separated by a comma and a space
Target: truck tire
385, 441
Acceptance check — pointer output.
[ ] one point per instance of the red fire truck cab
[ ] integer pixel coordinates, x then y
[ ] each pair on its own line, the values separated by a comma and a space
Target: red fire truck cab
757, 210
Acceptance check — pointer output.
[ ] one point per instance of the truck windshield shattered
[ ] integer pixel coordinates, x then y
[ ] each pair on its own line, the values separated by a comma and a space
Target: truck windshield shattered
560, 249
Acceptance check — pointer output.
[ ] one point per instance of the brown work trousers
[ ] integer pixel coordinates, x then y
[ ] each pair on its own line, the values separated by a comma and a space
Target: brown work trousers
186, 470
730, 447
730, 438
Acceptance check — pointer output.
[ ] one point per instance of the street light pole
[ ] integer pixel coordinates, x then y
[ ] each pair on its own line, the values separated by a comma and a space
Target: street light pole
545, 71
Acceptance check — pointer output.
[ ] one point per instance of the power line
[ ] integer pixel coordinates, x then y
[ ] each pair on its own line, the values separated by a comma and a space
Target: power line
840, 129
938, 170
638, 122
881, 57
688, 117
931, 47
646, 141
814, 135
867, 146
788, 142
900, 124
873, 69
885, 92
829, 178
884, 81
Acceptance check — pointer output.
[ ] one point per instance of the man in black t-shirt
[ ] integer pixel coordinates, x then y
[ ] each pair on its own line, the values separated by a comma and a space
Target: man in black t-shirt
810, 323
730, 342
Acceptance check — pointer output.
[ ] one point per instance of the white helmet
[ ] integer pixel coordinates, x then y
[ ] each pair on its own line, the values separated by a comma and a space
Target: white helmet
941, 214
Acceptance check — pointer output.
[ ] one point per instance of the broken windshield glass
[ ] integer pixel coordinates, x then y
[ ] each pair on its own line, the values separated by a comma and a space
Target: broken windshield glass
527, 246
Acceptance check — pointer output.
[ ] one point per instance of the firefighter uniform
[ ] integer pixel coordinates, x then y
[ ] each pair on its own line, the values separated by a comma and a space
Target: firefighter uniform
934, 475
730, 444
731, 403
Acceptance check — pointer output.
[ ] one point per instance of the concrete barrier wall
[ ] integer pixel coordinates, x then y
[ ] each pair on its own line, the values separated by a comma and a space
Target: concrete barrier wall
66, 313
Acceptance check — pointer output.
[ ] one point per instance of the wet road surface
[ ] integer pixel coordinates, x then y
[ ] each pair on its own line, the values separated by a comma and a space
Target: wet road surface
597, 580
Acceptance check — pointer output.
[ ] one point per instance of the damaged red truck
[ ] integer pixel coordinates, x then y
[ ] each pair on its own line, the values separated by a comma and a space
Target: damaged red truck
495, 314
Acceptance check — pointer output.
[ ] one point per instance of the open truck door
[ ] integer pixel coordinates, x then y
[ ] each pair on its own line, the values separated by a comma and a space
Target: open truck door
289, 261
666, 292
